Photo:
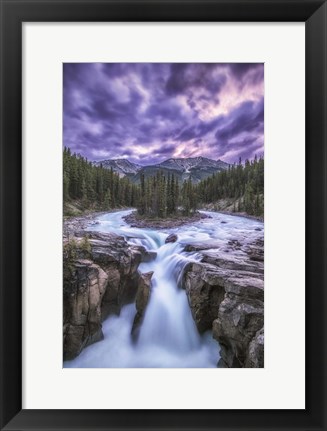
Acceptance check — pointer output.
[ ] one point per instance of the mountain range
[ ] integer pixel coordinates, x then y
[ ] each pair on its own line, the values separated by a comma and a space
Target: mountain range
195, 168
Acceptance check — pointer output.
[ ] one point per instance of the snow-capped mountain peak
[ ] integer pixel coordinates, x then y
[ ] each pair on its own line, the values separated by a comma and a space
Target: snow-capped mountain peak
194, 168
185, 164
121, 166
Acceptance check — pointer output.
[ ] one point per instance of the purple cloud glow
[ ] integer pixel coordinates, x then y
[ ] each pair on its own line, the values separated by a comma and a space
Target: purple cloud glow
150, 112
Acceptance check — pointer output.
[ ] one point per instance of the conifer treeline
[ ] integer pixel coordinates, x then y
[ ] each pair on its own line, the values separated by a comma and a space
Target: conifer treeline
243, 183
95, 187
162, 195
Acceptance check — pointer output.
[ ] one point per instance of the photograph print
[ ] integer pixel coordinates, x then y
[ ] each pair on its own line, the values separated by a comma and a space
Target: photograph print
163, 215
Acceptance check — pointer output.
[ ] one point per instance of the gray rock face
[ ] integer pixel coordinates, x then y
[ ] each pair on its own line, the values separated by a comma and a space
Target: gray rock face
147, 255
255, 355
100, 276
83, 293
237, 324
226, 293
142, 300
204, 293
120, 261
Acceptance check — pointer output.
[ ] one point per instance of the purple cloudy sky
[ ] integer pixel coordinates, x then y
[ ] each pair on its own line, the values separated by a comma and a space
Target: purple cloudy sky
150, 112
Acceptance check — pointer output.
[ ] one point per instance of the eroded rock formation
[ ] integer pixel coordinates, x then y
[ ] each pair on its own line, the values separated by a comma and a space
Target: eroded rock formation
141, 302
226, 294
100, 276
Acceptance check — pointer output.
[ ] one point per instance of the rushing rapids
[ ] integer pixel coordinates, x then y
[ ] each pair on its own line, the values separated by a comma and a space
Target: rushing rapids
168, 335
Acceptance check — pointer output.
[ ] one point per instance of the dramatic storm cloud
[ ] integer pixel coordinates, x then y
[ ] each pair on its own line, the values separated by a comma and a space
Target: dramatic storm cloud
150, 112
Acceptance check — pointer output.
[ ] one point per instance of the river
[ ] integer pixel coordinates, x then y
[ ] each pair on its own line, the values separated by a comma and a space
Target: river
168, 337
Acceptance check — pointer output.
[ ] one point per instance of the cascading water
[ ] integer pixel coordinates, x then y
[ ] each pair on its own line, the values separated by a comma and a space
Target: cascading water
168, 322
168, 336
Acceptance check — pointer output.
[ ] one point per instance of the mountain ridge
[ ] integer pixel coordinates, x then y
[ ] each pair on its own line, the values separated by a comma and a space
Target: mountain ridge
184, 168
121, 166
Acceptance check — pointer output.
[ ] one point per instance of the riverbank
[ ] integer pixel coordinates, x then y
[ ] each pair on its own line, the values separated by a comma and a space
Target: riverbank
239, 214
228, 206
169, 222
75, 209
74, 224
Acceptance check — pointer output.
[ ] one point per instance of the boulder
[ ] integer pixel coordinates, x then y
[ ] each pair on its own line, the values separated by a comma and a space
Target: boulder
171, 238
202, 245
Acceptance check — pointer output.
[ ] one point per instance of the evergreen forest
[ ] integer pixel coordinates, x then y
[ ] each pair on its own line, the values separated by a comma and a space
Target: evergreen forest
90, 187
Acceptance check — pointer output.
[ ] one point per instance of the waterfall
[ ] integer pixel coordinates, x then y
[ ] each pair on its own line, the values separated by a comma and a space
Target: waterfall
168, 322
168, 336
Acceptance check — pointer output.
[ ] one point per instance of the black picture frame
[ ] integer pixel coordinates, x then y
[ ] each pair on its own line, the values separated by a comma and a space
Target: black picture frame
13, 14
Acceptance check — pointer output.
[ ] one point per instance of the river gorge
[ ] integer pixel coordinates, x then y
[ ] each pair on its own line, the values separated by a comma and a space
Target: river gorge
189, 296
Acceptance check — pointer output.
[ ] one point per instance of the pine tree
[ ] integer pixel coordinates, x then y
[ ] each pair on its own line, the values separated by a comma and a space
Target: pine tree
66, 187
107, 200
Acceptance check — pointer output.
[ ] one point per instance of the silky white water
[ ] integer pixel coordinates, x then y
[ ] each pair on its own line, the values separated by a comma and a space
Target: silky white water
168, 336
